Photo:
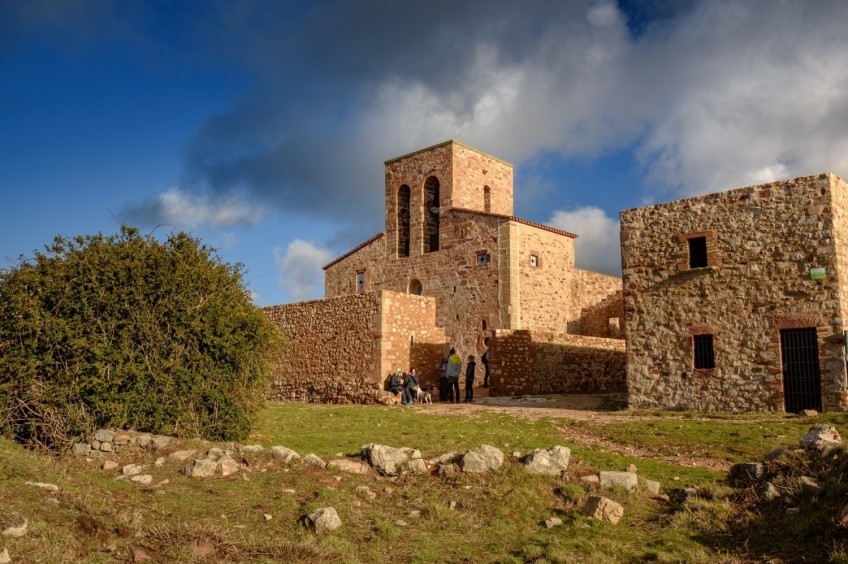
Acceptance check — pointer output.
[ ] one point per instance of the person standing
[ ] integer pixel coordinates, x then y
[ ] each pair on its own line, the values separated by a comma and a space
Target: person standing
454, 370
485, 360
469, 379
443, 379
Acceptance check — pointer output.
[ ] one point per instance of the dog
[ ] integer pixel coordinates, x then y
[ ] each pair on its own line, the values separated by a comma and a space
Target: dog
421, 396
394, 399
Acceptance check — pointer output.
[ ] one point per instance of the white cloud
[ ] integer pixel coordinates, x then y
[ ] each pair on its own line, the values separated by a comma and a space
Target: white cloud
191, 210
300, 269
597, 246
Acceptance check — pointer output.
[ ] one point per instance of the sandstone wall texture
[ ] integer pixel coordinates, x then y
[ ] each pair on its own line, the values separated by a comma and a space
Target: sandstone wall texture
536, 362
341, 350
491, 270
761, 244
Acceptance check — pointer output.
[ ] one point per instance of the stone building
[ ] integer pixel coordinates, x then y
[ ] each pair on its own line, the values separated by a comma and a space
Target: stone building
450, 233
735, 301
454, 267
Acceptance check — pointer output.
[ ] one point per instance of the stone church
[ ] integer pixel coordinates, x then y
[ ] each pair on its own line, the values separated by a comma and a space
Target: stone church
455, 267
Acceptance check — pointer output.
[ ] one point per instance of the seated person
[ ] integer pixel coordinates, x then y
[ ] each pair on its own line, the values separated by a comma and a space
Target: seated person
396, 382
409, 387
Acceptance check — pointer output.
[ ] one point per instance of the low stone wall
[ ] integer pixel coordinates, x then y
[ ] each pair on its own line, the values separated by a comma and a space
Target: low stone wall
530, 362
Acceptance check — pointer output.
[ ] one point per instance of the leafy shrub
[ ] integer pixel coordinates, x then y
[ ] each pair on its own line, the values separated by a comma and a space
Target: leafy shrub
125, 331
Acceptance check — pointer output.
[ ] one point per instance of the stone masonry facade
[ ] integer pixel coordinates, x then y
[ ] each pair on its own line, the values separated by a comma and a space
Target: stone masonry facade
736, 301
450, 234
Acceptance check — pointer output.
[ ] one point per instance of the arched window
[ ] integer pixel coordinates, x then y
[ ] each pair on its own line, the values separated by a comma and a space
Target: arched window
487, 199
403, 221
431, 214
415, 287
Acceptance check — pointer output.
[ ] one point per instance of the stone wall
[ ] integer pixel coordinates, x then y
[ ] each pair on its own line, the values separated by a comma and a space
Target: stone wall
332, 353
761, 243
341, 350
534, 362
544, 293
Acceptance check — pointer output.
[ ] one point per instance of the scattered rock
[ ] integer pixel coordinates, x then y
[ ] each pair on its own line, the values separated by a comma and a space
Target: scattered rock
769, 492
138, 554
201, 468
314, 460
82, 449
106, 447
143, 479
182, 455
18, 531
227, 466
553, 522
452, 505
591, 479
267, 516
808, 412
143, 439
253, 449
484, 458
365, 491
286, 455
104, 436
215, 453
324, 519
349, 466
4, 556
821, 438
632, 468
417, 466
401, 523
745, 473
626, 480
552, 462
43, 486
603, 509
414, 514
132, 469
652, 486
793, 510
158, 442
387, 460
123, 438
160, 461
517, 455
109, 465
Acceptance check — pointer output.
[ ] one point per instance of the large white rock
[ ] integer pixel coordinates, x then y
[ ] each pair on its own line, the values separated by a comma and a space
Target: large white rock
314, 460
226, 466
182, 455
821, 437
132, 469
387, 460
484, 458
324, 519
284, 454
552, 461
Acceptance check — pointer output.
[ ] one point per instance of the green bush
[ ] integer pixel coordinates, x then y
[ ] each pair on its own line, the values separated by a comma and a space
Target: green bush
129, 332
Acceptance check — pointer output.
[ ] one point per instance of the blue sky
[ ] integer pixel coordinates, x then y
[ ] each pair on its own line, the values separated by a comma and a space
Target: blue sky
262, 126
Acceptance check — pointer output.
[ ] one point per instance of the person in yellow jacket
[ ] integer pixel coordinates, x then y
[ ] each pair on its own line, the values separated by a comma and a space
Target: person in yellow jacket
454, 370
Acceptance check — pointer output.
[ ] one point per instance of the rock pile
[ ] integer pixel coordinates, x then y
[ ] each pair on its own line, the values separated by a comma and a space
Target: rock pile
108, 440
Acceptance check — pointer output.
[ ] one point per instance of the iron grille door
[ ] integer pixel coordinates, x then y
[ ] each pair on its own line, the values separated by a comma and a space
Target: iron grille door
799, 352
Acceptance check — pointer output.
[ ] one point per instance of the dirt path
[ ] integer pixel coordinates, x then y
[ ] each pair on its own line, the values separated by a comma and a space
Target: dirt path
601, 409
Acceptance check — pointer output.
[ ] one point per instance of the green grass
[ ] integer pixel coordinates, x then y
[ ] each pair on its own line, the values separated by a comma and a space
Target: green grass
498, 517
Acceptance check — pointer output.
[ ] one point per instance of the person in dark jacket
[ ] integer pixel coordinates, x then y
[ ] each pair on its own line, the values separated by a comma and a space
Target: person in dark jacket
408, 387
469, 378
485, 360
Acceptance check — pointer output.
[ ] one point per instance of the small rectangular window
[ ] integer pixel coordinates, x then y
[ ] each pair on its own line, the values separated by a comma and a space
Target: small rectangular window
704, 353
534, 261
360, 281
482, 258
697, 252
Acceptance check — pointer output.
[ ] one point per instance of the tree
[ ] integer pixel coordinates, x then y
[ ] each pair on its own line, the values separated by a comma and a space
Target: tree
125, 331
